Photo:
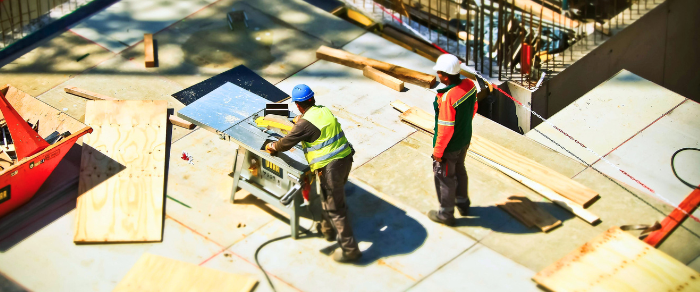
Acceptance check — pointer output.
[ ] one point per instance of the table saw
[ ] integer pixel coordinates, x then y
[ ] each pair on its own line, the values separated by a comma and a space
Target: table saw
230, 111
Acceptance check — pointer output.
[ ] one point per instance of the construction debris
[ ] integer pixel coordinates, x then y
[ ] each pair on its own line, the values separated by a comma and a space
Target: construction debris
149, 50
175, 120
86, 94
359, 62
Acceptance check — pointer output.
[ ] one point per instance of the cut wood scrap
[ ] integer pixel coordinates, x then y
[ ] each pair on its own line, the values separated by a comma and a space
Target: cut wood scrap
359, 62
383, 78
178, 121
122, 172
529, 213
5, 160
86, 94
565, 203
149, 50
618, 261
675, 219
359, 18
157, 273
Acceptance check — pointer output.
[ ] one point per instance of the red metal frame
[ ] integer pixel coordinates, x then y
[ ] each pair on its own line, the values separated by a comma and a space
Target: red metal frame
675, 219
37, 159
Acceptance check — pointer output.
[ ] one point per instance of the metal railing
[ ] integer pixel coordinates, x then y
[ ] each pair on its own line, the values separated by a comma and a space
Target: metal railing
492, 35
20, 18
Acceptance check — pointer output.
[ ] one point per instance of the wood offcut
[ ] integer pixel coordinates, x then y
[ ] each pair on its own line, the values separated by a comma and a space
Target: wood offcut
157, 273
359, 62
383, 78
178, 121
86, 94
149, 50
529, 213
618, 261
122, 172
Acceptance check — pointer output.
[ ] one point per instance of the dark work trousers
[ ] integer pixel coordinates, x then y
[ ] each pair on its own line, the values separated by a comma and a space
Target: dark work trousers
451, 182
335, 211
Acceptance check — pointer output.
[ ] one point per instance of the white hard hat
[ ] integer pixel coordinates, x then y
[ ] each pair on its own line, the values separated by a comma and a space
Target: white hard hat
447, 63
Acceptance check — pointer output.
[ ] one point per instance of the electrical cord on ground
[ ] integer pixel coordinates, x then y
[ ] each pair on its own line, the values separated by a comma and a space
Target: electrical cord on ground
305, 231
673, 167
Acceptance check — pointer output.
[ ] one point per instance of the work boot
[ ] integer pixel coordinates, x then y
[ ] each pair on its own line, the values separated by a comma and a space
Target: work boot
342, 257
330, 235
463, 209
433, 215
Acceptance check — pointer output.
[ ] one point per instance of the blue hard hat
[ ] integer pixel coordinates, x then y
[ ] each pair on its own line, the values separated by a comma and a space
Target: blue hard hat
302, 92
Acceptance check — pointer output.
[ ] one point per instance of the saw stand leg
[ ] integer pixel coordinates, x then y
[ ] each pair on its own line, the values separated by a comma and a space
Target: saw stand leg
294, 217
238, 162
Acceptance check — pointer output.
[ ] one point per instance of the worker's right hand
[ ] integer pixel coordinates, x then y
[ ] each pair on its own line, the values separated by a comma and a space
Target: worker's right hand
269, 148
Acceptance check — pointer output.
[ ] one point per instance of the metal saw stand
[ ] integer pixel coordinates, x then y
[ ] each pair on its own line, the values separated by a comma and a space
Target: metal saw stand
230, 112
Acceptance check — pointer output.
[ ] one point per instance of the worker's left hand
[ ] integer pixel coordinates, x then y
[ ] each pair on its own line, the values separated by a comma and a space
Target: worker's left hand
438, 159
296, 119
269, 148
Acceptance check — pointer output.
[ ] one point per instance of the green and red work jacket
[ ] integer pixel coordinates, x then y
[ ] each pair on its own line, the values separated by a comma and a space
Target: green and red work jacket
455, 108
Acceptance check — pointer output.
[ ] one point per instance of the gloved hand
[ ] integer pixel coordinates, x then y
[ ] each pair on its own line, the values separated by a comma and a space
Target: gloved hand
270, 148
438, 159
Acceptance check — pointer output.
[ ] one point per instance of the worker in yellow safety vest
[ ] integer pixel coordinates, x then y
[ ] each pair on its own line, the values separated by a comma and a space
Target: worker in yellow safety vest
329, 155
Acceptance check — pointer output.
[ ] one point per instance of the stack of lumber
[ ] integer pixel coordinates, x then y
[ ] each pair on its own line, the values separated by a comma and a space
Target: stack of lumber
529, 213
156, 273
617, 261
122, 172
561, 190
359, 62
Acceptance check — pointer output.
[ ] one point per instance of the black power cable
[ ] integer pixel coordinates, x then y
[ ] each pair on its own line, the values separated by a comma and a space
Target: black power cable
673, 167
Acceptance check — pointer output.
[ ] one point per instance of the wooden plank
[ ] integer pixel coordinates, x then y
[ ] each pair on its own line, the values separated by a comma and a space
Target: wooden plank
175, 120
122, 172
86, 94
529, 213
383, 78
149, 51
359, 18
617, 261
565, 203
359, 62
549, 178
157, 273
675, 219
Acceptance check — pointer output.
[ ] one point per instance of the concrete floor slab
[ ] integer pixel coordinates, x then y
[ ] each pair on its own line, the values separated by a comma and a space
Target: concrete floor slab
52, 63
399, 247
646, 156
607, 116
118, 78
65, 266
204, 45
123, 24
479, 269
205, 186
695, 264
311, 20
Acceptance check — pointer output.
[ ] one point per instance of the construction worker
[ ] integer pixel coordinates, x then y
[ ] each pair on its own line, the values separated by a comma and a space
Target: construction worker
329, 155
455, 107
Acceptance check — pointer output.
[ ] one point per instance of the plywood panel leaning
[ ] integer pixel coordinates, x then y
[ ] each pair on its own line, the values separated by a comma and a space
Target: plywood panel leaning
359, 62
529, 213
618, 261
383, 78
149, 50
122, 172
157, 273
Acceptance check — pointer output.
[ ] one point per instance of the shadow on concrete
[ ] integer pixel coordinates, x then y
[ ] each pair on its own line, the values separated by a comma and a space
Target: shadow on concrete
389, 230
498, 220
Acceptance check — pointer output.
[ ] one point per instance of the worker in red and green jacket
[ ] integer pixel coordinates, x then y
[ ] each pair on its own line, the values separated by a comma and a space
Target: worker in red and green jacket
455, 107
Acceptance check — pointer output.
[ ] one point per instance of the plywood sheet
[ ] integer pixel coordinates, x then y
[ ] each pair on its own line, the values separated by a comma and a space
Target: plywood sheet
529, 213
157, 273
122, 172
617, 261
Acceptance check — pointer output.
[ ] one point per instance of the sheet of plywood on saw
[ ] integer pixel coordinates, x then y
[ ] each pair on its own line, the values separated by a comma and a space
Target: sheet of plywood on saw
157, 273
32, 109
122, 172
559, 183
529, 213
617, 261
